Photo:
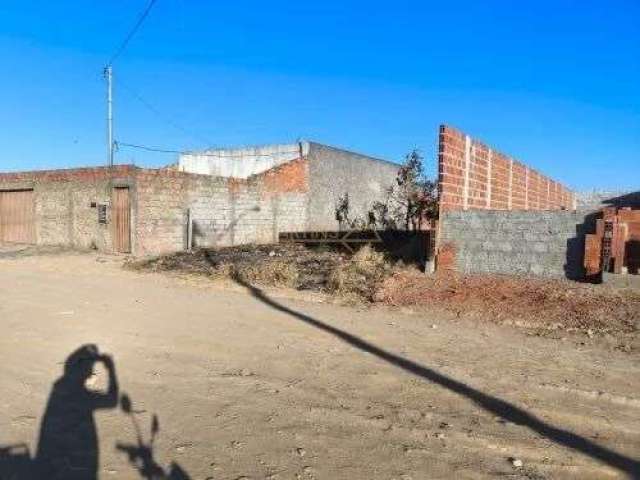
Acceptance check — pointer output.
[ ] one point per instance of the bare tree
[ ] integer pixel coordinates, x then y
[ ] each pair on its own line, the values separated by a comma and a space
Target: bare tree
343, 216
412, 199
342, 211
408, 203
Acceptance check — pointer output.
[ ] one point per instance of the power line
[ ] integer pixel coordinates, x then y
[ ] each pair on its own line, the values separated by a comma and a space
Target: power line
167, 119
145, 147
185, 152
132, 32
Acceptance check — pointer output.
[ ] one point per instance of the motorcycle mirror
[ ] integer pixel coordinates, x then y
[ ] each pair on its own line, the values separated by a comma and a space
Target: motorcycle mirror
125, 403
155, 425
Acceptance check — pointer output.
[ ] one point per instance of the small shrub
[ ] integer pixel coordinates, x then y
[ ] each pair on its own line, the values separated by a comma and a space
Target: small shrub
279, 273
359, 278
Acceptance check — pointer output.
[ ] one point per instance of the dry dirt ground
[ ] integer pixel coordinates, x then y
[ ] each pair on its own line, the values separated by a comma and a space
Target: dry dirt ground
253, 384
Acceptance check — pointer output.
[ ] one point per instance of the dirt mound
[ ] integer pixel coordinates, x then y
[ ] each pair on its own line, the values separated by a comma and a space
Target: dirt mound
537, 303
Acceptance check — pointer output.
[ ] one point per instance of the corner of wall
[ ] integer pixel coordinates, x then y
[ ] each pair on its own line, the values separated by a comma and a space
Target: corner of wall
446, 258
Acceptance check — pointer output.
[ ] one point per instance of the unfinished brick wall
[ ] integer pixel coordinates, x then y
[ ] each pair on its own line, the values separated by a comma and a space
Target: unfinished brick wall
474, 176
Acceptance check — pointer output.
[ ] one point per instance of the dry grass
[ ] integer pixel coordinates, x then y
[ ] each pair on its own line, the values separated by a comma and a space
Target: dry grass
360, 277
287, 265
354, 279
278, 273
367, 277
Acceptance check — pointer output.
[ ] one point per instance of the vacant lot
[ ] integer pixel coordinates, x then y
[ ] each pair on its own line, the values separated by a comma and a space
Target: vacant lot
550, 307
257, 384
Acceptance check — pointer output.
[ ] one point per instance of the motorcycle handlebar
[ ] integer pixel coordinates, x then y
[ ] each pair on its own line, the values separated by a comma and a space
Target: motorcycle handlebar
133, 451
19, 449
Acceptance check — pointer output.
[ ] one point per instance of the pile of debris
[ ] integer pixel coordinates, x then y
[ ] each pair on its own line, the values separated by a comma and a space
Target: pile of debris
285, 265
354, 278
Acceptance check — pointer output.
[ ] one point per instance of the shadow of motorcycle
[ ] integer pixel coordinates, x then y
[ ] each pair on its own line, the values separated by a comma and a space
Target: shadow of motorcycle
16, 463
141, 455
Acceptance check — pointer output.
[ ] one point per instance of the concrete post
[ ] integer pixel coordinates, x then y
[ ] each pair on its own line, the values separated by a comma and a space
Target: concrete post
467, 167
548, 193
489, 167
526, 188
510, 201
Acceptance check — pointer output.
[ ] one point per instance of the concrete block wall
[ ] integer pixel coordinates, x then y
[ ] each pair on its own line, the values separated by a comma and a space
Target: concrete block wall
329, 174
297, 195
62, 203
333, 173
549, 244
474, 176
224, 211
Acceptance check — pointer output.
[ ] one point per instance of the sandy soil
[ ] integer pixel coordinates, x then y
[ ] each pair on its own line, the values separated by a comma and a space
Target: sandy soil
251, 384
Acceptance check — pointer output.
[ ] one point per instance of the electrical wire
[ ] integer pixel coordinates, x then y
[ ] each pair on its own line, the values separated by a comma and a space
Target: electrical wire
167, 119
132, 32
184, 152
145, 147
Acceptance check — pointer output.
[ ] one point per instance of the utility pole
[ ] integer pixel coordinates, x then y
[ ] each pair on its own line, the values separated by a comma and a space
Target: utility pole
108, 74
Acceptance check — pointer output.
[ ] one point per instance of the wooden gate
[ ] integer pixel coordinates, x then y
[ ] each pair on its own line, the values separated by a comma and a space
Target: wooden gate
121, 219
17, 216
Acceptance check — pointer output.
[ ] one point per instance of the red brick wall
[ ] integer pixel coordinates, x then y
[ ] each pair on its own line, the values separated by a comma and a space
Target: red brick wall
474, 176
291, 177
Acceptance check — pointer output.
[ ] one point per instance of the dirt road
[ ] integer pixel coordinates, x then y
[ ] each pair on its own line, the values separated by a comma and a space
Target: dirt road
249, 384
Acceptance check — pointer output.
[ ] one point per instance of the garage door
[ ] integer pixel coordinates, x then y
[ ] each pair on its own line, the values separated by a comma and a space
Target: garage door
16, 216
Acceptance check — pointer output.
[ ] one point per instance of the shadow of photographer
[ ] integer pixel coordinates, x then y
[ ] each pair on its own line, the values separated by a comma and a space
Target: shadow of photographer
67, 447
68, 443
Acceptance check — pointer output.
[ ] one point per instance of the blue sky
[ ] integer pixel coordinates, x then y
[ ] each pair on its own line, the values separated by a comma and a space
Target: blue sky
554, 83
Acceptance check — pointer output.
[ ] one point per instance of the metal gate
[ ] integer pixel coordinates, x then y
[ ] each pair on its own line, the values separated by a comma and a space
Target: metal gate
17, 217
121, 219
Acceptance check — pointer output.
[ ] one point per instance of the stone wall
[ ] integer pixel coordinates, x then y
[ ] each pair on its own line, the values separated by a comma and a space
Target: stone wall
333, 173
547, 244
474, 176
